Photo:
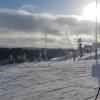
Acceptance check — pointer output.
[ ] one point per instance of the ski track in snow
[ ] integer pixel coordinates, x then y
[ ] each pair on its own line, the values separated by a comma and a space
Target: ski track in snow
65, 80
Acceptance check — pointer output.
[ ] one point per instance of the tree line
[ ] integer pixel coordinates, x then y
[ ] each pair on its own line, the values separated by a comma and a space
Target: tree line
20, 55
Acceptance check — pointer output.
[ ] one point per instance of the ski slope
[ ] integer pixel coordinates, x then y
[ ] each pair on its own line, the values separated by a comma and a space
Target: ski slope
53, 80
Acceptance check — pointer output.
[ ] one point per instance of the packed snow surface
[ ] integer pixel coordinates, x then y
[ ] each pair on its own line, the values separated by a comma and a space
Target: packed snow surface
54, 80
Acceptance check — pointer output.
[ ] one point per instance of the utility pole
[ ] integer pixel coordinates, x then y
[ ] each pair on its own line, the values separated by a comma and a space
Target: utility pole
96, 57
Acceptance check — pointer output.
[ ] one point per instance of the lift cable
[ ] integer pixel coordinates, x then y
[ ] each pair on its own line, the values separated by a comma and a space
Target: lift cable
73, 52
69, 40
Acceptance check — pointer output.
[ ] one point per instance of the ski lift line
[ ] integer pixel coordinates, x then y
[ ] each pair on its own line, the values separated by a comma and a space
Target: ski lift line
68, 43
68, 40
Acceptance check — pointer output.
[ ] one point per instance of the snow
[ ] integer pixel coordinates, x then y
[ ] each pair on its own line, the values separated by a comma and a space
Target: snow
53, 80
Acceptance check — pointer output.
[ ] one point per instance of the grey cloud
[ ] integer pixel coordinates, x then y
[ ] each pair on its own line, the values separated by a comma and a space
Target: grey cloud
67, 20
16, 22
27, 23
86, 27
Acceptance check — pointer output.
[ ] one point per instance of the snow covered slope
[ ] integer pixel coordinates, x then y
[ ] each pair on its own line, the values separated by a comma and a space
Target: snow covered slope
48, 81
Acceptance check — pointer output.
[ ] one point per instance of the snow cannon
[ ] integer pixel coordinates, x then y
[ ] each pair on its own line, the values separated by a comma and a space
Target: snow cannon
96, 71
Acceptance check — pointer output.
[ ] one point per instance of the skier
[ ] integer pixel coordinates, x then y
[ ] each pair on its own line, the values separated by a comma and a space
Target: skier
74, 56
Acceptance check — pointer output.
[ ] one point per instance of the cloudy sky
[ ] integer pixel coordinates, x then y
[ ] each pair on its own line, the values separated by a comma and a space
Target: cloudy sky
26, 23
